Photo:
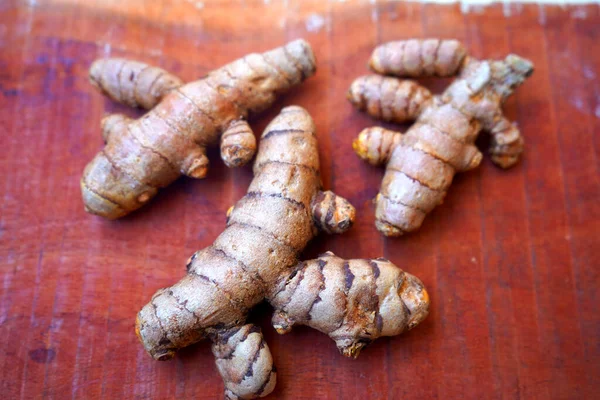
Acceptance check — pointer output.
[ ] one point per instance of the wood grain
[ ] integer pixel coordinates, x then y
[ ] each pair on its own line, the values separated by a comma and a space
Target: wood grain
511, 259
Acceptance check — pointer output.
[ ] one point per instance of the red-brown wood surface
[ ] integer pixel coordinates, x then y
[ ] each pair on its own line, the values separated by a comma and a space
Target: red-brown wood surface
511, 259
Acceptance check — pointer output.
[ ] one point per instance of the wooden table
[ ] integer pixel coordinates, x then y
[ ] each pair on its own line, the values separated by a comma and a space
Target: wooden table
511, 259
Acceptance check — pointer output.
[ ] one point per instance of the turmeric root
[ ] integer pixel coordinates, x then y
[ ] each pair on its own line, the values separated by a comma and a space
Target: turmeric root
149, 153
378, 298
132, 83
421, 163
388, 98
418, 57
244, 361
255, 258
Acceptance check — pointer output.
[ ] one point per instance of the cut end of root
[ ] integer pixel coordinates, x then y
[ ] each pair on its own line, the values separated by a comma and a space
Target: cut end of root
144, 197
281, 322
505, 161
360, 148
374, 63
506, 155
237, 156
98, 205
521, 65
375, 145
160, 353
198, 169
416, 299
352, 351
475, 161
138, 323
282, 330
388, 229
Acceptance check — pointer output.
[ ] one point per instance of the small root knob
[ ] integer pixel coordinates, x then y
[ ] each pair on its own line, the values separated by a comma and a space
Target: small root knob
375, 145
199, 168
332, 213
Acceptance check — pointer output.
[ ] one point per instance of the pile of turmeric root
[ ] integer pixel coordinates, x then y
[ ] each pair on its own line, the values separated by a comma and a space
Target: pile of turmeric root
256, 257
421, 163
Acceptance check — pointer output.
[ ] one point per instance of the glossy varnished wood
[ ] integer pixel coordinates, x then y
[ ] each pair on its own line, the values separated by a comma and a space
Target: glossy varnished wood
511, 259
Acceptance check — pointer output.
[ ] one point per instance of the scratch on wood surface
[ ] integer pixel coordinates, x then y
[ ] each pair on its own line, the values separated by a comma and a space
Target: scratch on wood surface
314, 22
541, 15
374, 11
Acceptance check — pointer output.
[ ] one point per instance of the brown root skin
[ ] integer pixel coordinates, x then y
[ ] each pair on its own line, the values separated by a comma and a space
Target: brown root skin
244, 362
387, 98
132, 83
506, 156
388, 229
418, 57
238, 144
352, 301
332, 213
375, 144
252, 258
141, 156
421, 163
196, 164
506, 144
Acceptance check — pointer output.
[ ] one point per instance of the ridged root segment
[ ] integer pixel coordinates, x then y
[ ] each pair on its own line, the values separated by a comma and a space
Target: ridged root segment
388, 98
418, 57
506, 144
170, 140
375, 144
101, 189
332, 213
202, 302
481, 91
244, 362
352, 301
238, 144
422, 166
132, 83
